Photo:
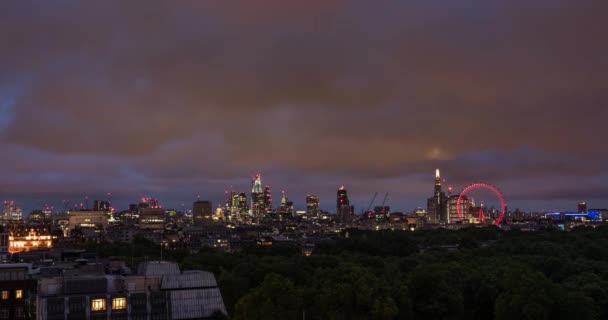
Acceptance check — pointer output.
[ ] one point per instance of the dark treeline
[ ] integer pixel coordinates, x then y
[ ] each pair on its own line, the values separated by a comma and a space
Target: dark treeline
474, 273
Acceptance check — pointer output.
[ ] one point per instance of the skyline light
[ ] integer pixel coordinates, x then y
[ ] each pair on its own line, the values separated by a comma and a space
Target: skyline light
124, 202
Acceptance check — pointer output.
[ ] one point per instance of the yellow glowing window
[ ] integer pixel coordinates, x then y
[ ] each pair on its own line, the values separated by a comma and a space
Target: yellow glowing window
5, 295
19, 294
119, 303
98, 304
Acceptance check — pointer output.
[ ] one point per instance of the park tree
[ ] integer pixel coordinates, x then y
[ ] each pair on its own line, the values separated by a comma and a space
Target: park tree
275, 298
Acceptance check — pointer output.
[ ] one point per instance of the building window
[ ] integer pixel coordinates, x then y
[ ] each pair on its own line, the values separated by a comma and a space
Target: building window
4, 295
158, 316
55, 306
98, 304
119, 303
76, 307
19, 312
19, 294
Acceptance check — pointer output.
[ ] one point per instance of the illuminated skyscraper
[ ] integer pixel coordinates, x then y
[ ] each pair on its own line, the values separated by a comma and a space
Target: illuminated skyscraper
261, 199
283, 200
344, 210
236, 206
437, 205
242, 203
231, 202
286, 208
312, 205
256, 195
266, 200
11, 212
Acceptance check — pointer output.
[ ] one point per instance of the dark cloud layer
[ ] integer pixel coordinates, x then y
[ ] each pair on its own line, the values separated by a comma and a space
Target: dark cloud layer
179, 99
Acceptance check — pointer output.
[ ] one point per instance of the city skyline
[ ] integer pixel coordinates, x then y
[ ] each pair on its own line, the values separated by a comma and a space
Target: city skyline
178, 101
121, 202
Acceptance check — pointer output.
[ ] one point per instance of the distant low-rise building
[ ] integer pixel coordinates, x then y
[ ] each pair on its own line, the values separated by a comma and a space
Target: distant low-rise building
31, 240
152, 218
87, 219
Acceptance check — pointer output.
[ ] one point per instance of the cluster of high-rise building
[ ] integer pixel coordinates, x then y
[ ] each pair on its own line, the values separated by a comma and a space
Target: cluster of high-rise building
255, 208
236, 204
261, 198
149, 219
259, 205
10, 212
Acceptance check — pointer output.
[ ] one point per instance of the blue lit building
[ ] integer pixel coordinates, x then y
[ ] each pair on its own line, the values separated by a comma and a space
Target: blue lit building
592, 215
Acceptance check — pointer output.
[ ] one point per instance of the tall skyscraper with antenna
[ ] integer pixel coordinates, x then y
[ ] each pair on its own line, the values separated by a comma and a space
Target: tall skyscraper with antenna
261, 198
437, 205
256, 194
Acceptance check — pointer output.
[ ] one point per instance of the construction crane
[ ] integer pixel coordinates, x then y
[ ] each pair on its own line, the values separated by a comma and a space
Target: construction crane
384, 201
372, 202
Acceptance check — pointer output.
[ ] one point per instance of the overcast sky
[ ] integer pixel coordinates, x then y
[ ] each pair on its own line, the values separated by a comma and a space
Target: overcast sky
175, 99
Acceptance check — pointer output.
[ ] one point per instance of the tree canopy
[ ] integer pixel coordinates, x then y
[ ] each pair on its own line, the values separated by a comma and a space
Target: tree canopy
473, 273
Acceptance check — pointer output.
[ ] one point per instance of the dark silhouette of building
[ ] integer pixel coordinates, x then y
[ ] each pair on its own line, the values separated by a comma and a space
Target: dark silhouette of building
344, 211
99, 205
582, 206
202, 212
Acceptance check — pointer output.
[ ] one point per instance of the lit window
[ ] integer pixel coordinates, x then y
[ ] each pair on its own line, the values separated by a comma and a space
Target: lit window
5, 295
98, 304
119, 303
19, 294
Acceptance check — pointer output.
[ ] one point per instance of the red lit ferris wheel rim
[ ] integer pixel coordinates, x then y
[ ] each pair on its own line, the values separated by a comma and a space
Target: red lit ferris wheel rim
481, 185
